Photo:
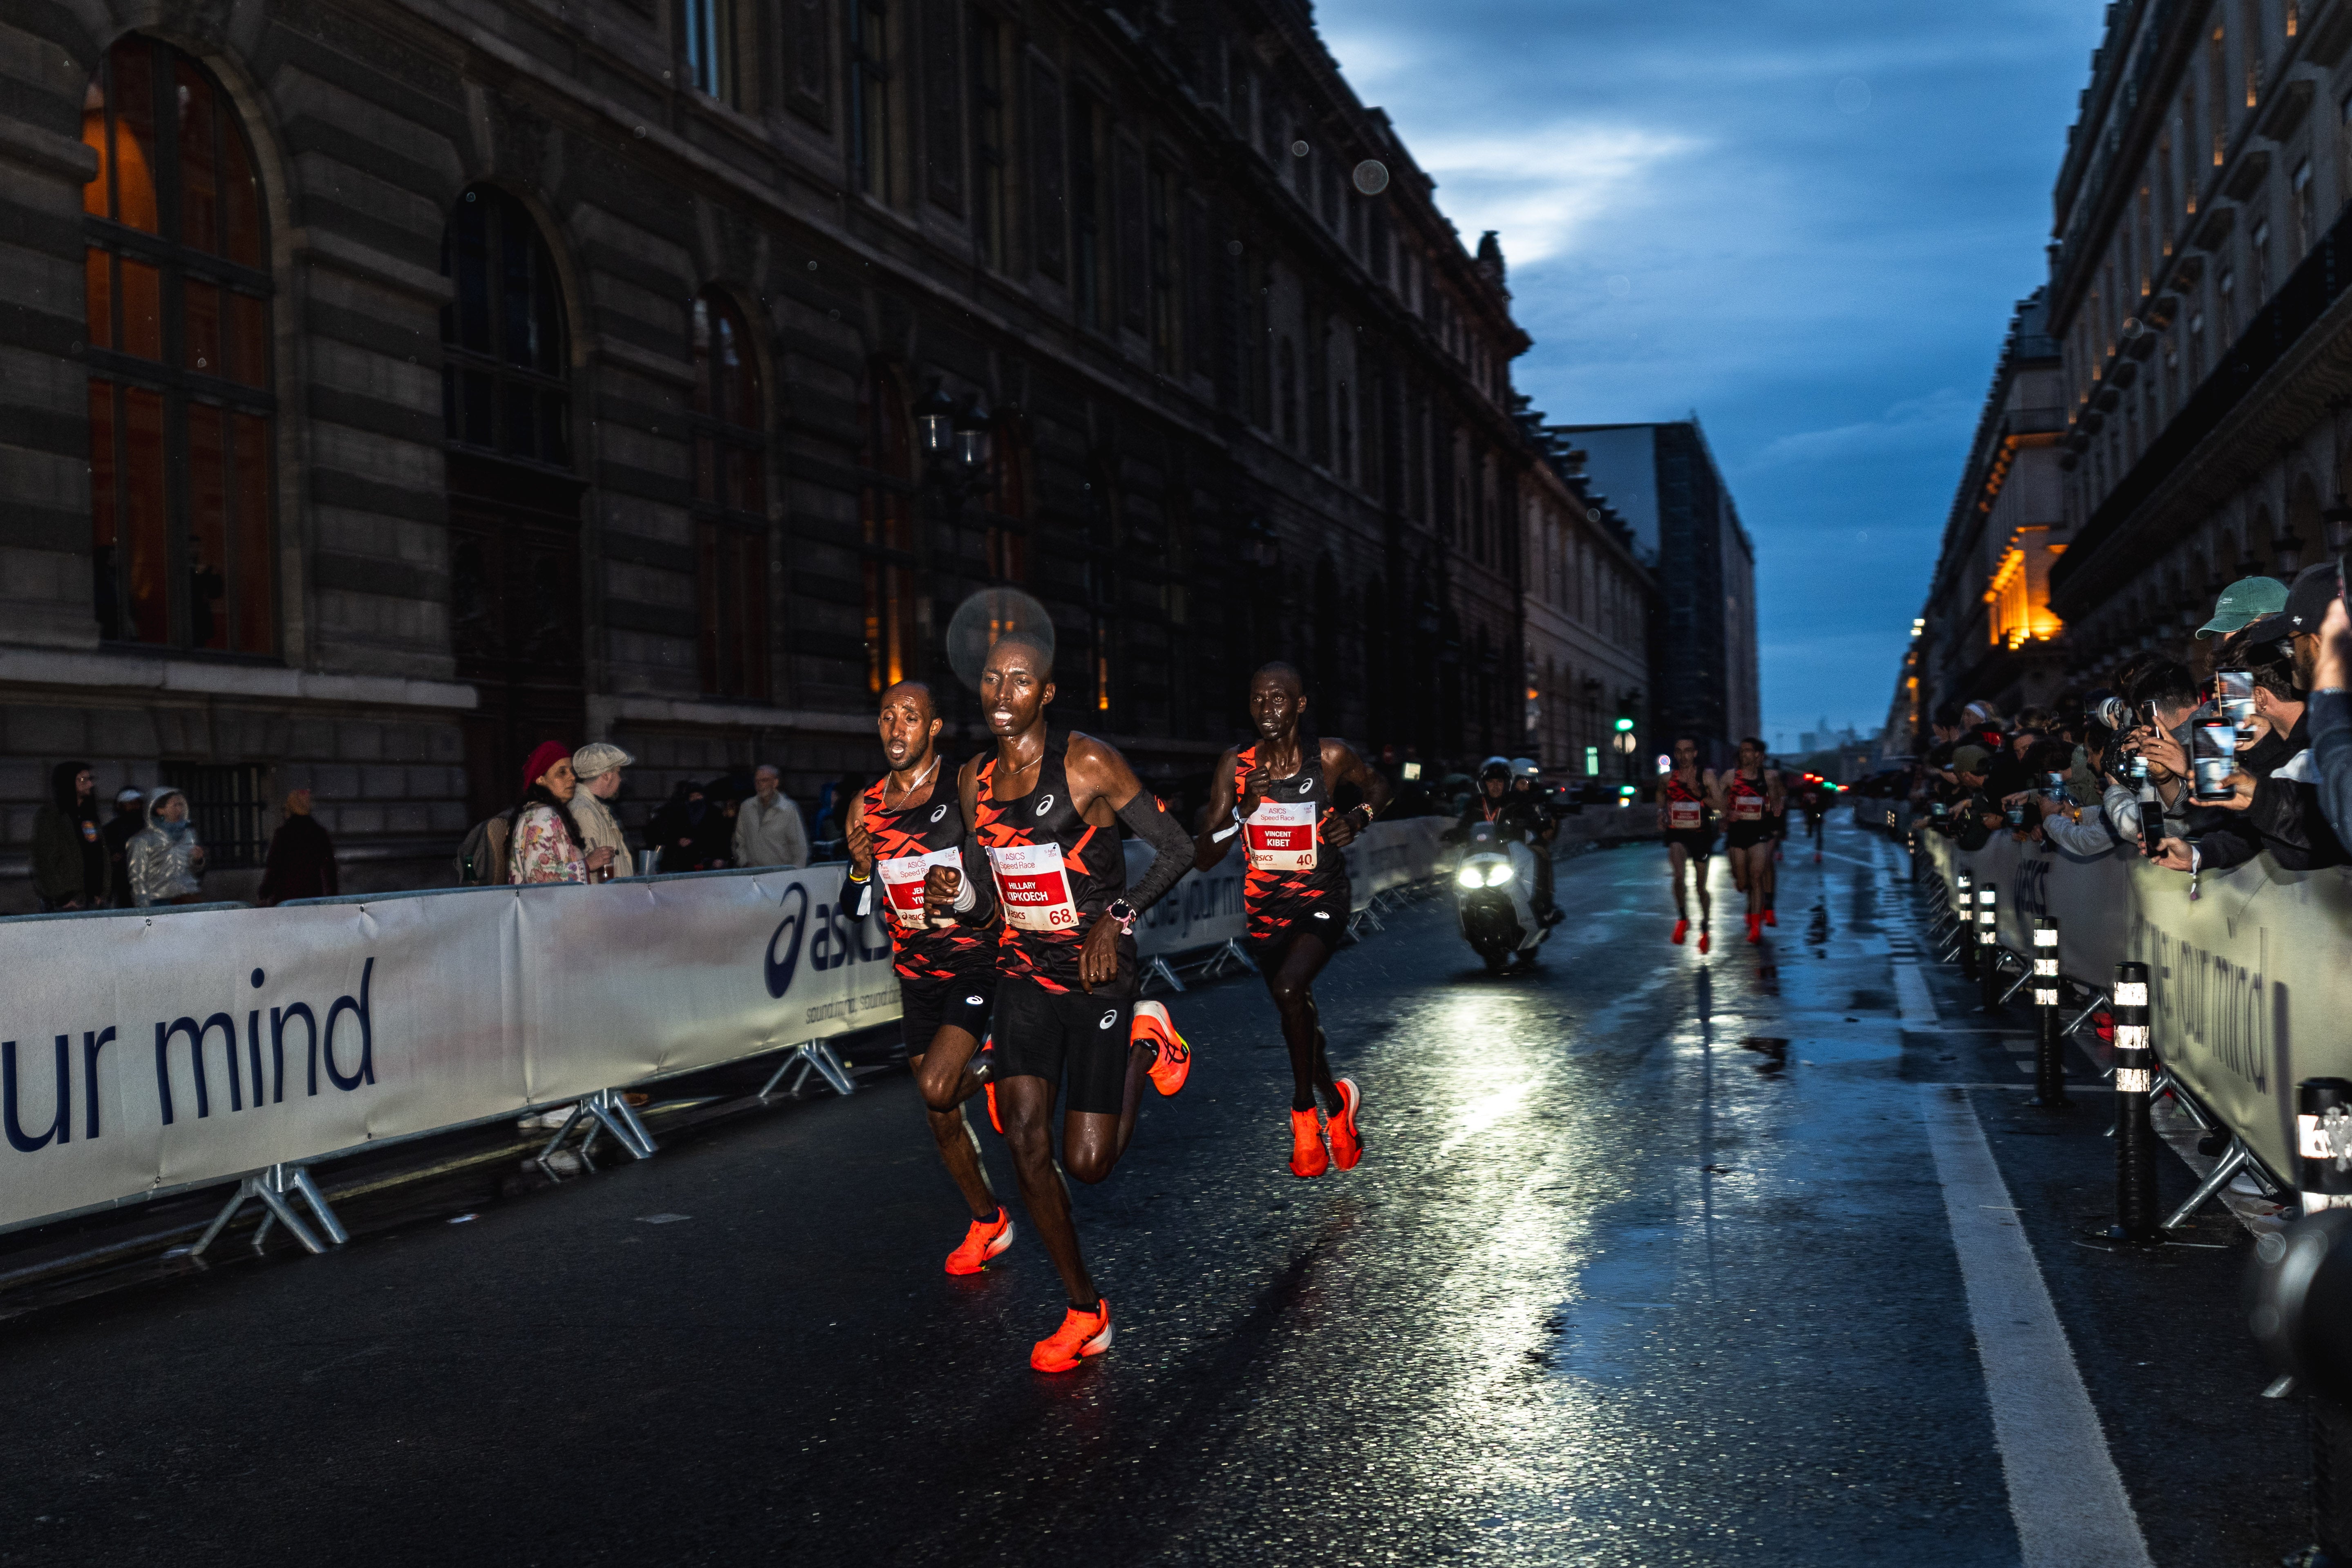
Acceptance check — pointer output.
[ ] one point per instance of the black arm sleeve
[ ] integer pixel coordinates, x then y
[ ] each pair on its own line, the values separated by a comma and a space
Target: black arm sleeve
983, 883
1167, 836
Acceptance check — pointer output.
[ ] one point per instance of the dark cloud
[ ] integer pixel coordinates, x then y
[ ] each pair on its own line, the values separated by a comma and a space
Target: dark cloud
1806, 220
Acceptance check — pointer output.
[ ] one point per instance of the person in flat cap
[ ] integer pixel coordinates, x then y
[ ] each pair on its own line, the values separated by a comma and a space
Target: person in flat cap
597, 765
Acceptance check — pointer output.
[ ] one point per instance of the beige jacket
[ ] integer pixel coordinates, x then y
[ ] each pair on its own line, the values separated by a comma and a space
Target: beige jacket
770, 835
602, 830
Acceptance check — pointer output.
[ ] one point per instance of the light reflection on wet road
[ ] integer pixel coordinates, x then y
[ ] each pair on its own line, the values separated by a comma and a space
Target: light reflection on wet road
1646, 1264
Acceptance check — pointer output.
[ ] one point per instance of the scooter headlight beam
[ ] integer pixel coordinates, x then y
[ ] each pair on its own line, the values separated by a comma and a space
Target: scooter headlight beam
1498, 875
1471, 877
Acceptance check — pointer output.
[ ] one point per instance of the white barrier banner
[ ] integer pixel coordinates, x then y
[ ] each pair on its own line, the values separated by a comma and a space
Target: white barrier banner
1205, 908
2247, 984
140, 1053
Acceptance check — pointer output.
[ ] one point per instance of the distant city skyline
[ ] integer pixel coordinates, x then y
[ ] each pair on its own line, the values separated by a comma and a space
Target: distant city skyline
1805, 223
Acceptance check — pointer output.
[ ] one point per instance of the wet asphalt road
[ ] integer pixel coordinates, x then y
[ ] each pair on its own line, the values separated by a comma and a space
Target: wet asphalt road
1647, 1263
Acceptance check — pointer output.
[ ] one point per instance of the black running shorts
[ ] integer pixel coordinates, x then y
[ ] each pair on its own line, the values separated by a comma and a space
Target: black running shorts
1328, 927
1698, 843
927, 1006
1747, 835
1076, 1036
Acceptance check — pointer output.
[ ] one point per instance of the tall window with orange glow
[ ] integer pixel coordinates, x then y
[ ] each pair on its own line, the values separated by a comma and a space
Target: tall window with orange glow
886, 530
179, 406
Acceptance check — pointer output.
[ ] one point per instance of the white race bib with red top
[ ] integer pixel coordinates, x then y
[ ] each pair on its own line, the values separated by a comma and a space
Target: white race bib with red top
1683, 816
1746, 808
1033, 886
902, 884
1281, 835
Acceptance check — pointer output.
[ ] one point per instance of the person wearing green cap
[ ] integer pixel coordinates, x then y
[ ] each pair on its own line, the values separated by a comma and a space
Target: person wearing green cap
2247, 599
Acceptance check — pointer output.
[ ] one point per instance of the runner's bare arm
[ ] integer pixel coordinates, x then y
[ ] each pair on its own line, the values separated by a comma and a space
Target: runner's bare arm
1100, 779
1211, 845
860, 841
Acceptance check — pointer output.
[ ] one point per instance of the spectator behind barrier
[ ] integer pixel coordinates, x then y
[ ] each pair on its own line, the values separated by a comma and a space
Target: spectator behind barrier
1974, 813
689, 830
768, 829
129, 817
2330, 717
544, 841
165, 857
596, 767
302, 860
2082, 834
2172, 691
69, 860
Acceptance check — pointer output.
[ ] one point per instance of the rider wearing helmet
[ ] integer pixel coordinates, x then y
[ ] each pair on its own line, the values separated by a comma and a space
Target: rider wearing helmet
1524, 778
1515, 814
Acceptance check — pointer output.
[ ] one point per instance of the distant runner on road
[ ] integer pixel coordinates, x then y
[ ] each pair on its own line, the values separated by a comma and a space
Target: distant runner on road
1684, 799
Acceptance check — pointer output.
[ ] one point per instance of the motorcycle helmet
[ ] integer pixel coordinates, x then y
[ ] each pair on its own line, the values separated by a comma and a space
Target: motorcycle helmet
1525, 768
1494, 768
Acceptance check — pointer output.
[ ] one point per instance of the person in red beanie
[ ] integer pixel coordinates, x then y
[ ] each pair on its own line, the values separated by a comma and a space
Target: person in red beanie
546, 844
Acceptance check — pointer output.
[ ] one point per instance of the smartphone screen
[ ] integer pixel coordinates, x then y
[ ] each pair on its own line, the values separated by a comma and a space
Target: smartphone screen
2214, 760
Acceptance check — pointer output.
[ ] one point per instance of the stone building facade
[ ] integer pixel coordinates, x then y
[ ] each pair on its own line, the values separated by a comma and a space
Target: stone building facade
1591, 599
1987, 630
387, 385
2198, 296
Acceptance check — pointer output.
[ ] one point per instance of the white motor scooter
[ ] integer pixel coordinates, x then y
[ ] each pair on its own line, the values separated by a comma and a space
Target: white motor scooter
1494, 894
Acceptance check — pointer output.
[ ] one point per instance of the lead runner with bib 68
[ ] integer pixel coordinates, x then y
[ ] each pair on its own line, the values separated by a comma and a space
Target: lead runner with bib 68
1045, 807
1278, 796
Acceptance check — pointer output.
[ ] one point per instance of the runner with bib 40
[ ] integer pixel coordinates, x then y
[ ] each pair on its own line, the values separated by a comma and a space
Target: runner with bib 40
1280, 796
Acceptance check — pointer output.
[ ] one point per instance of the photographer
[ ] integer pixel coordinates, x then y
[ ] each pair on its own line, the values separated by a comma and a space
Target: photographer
2274, 799
1975, 814
2164, 697
2065, 824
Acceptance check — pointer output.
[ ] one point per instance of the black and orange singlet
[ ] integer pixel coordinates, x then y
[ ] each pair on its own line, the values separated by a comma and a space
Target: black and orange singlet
1055, 872
1293, 875
907, 842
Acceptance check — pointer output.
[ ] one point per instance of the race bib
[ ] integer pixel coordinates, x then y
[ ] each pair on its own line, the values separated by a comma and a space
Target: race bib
902, 884
1746, 808
1683, 816
1281, 835
1033, 886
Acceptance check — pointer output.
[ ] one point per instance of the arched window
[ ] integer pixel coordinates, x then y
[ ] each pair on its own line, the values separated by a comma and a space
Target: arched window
503, 358
886, 523
178, 301
731, 522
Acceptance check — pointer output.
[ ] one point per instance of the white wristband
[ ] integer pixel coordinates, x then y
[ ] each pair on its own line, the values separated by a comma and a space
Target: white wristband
967, 898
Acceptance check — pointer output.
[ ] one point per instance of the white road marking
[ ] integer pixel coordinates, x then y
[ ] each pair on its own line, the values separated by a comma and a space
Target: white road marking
1911, 995
2065, 1495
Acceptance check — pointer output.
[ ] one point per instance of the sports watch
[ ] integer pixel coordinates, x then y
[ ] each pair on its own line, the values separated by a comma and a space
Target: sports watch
1125, 913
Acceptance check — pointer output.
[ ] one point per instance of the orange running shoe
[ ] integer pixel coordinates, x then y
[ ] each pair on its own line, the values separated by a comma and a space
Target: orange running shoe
1082, 1334
983, 1240
1681, 930
1174, 1063
1308, 1156
1755, 928
1771, 918
1347, 1138
1705, 941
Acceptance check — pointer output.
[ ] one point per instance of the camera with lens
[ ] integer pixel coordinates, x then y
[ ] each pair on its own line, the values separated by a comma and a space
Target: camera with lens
2107, 708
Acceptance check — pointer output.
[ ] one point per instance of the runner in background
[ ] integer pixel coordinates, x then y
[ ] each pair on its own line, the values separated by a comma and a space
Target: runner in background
1684, 799
1749, 796
1045, 806
905, 822
1282, 796
1813, 800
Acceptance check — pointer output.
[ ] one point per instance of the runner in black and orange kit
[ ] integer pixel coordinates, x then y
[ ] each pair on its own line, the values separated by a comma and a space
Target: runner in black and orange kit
1281, 795
1750, 798
1684, 800
1045, 807
904, 823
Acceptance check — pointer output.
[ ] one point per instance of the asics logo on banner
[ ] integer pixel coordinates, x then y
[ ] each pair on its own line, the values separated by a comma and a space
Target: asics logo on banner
1045, 804
1109, 1019
779, 970
942, 811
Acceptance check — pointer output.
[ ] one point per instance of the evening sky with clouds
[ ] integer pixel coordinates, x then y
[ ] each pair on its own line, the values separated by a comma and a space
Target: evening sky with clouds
1806, 220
